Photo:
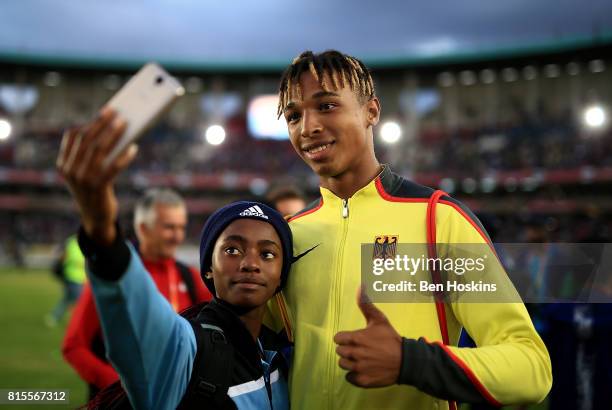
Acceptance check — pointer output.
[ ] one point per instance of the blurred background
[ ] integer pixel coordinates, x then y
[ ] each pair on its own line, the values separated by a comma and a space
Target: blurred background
504, 106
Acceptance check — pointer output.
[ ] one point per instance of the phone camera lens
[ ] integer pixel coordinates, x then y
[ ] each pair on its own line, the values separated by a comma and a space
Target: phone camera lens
159, 80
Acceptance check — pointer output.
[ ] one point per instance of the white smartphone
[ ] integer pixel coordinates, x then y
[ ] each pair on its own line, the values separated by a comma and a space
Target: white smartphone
141, 101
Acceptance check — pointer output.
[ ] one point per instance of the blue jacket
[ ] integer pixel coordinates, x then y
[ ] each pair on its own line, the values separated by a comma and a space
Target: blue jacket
153, 348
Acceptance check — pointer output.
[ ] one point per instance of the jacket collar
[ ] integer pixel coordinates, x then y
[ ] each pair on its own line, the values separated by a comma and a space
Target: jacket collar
368, 191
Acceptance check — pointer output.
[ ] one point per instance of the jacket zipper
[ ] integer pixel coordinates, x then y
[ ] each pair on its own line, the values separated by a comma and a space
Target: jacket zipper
268, 389
266, 373
337, 302
345, 209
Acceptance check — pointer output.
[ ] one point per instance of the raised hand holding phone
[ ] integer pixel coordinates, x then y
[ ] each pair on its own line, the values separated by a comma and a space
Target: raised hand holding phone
92, 156
80, 162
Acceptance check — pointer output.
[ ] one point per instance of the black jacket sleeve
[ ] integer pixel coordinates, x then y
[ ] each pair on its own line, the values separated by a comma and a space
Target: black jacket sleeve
429, 368
106, 262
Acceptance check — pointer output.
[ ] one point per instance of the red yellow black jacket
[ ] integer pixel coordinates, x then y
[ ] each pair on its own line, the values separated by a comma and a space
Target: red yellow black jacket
510, 364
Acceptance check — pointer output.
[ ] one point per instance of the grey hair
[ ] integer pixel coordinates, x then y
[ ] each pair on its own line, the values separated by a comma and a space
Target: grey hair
144, 211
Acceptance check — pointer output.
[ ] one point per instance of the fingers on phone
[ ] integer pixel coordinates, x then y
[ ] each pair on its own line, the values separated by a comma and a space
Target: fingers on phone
71, 143
67, 139
122, 161
111, 136
83, 149
93, 132
90, 132
106, 110
75, 147
103, 119
98, 147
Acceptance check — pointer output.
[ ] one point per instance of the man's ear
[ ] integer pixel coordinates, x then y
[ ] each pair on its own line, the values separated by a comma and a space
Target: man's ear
373, 111
142, 228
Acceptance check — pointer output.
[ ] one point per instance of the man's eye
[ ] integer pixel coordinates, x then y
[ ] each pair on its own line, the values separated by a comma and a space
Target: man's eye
326, 106
232, 251
291, 117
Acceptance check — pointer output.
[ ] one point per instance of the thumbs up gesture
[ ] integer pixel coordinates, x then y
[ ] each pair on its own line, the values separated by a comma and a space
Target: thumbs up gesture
371, 355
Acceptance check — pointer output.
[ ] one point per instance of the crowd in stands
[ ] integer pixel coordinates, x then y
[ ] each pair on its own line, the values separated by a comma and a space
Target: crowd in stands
545, 143
532, 143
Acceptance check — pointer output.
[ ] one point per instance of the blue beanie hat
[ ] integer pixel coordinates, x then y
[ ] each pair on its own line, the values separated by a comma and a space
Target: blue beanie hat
224, 216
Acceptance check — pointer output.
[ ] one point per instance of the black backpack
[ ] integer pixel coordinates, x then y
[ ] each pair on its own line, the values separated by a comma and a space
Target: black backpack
210, 377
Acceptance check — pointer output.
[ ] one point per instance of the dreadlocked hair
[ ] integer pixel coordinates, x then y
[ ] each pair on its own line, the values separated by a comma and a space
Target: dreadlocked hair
343, 70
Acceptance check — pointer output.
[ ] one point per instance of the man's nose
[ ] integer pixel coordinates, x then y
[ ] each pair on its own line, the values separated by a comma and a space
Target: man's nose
311, 125
176, 237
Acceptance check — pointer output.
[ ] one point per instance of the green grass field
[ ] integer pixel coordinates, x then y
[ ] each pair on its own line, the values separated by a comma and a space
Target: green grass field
30, 356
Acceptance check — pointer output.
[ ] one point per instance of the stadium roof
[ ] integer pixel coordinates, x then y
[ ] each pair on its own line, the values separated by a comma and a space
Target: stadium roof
266, 34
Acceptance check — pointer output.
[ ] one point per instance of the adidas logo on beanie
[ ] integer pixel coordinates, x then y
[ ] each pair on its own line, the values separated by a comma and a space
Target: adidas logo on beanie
254, 211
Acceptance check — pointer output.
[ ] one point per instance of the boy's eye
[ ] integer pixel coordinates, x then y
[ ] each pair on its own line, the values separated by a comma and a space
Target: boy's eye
268, 255
232, 250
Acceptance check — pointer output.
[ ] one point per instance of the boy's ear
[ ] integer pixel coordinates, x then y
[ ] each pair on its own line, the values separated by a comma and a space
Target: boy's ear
208, 275
373, 111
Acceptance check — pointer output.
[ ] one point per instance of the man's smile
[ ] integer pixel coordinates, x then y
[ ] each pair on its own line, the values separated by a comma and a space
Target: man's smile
317, 151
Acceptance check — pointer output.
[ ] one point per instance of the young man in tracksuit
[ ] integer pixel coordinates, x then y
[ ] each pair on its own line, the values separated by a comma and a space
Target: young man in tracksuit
343, 346
160, 218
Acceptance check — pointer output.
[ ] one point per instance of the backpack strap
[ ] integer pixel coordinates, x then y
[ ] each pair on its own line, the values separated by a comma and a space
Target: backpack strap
187, 277
282, 308
435, 273
212, 370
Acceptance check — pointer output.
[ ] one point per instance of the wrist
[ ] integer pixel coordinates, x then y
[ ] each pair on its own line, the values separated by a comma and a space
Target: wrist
103, 234
107, 262
411, 362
